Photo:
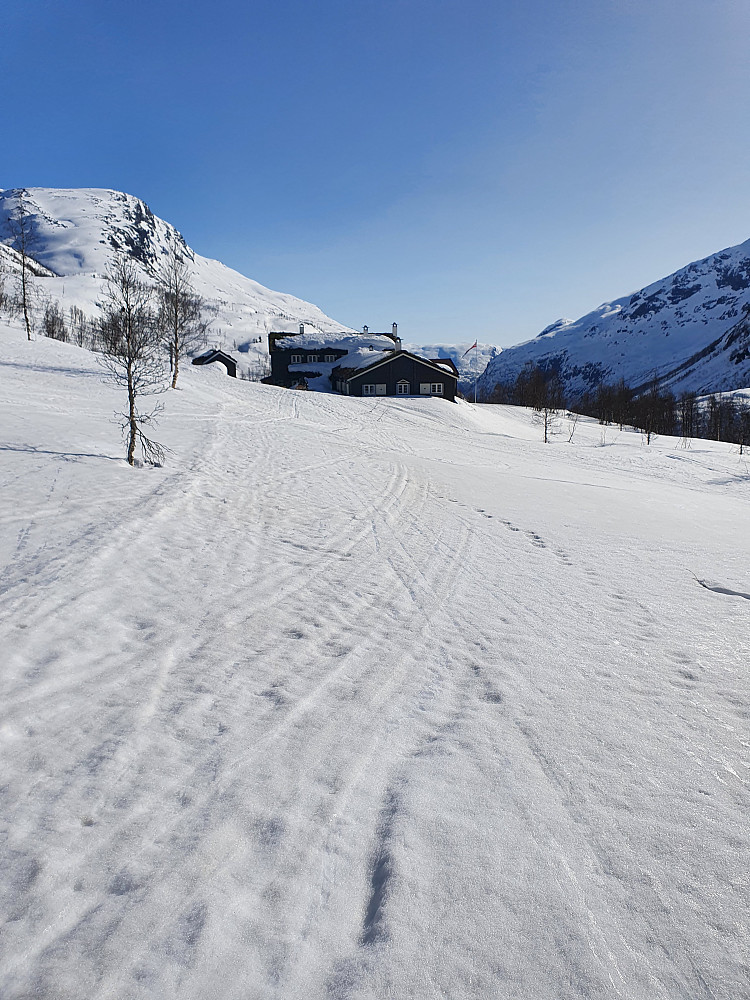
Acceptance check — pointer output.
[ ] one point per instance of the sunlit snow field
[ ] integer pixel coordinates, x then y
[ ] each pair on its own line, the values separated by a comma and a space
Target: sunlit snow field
366, 698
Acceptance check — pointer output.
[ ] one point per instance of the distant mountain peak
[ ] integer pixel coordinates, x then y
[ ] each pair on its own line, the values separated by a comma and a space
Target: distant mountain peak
555, 327
688, 330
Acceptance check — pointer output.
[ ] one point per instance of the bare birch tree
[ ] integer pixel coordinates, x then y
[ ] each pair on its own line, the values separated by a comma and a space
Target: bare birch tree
21, 230
53, 321
131, 354
548, 403
573, 419
743, 425
179, 317
4, 296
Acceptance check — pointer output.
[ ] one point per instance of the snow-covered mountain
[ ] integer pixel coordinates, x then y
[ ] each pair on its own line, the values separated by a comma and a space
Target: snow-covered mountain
690, 330
78, 231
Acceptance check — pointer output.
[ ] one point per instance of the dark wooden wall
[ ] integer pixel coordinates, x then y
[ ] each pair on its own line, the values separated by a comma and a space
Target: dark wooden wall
403, 367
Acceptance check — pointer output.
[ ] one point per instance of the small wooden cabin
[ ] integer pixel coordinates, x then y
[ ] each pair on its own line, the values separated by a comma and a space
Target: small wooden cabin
215, 355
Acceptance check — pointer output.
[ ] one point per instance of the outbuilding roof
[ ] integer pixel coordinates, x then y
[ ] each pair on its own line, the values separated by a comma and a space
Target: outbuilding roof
213, 355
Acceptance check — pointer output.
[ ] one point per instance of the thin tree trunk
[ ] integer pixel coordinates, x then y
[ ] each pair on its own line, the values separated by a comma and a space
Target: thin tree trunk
176, 359
133, 437
24, 297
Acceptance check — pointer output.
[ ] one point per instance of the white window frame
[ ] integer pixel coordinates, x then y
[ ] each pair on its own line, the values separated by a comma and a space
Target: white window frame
368, 390
329, 357
403, 388
296, 359
312, 359
436, 388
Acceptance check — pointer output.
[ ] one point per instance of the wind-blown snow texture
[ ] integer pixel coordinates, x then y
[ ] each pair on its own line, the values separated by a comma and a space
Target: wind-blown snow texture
365, 699
77, 232
689, 330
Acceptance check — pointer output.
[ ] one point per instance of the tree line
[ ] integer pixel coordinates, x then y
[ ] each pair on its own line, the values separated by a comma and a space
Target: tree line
651, 409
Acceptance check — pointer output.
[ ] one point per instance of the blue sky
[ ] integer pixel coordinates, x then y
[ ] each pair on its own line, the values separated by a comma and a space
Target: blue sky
468, 169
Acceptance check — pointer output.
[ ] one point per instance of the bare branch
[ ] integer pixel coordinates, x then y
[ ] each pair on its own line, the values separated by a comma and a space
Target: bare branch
179, 317
131, 358
22, 231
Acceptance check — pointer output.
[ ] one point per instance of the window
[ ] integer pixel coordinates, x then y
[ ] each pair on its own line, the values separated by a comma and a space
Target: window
312, 358
296, 359
330, 357
368, 390
437, 388
403, 388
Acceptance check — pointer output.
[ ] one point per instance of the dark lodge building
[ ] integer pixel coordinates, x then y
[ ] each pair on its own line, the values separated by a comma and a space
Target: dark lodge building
282, 356
399, 373
390, 371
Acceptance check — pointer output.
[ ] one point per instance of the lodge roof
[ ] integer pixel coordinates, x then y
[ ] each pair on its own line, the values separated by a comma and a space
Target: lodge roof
441, 365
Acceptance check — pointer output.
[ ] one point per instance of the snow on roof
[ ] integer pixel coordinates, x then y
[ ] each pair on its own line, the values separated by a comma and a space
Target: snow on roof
362, 350
315, 339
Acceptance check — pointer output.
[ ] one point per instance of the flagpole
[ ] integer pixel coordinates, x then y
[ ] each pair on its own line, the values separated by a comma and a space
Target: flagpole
475, 348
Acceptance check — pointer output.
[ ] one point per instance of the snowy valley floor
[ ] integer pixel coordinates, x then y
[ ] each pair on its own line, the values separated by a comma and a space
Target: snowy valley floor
366, 699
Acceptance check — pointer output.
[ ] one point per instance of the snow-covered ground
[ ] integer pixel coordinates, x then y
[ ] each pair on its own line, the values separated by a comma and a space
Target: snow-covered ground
366, 698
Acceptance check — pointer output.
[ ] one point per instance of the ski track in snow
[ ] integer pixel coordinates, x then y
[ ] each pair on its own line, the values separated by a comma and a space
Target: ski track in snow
365, 699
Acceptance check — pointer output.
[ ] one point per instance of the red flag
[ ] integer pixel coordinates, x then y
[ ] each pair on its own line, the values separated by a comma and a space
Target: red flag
470, 349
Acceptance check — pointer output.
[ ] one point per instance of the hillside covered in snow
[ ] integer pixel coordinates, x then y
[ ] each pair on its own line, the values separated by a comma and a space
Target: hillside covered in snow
365, 698
690, 330
77, 231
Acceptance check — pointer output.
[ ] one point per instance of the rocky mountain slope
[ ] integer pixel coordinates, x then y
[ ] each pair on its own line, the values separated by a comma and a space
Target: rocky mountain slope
689, 330
76, 232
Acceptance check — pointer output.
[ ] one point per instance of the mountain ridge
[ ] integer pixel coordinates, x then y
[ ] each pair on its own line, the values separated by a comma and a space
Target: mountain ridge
78, 231
687, 330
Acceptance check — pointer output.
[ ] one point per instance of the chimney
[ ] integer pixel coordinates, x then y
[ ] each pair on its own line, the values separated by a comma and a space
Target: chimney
302, 328
365, 329
395, 331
